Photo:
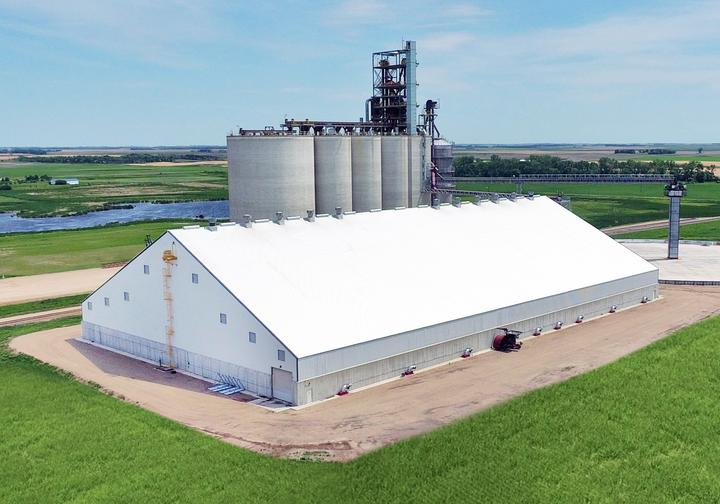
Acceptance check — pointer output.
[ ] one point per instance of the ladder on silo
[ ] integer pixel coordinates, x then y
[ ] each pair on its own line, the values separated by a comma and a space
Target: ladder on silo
169, 259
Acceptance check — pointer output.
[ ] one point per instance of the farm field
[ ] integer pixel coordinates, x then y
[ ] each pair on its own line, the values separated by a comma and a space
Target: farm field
712, 159
102, 184
53, 251
592, 438
605, 205
702, 231
684, 153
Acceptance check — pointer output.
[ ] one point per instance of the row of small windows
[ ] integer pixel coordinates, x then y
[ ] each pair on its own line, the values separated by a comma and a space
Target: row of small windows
194, 277
252, 336
106, 300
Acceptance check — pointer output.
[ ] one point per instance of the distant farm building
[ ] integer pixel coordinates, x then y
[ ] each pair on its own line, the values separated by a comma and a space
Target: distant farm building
64, 181
300, 309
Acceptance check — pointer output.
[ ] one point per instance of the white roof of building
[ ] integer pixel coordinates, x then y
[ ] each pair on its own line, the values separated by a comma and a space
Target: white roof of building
331, 283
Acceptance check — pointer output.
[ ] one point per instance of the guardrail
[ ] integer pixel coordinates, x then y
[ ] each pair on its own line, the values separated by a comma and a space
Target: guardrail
570, 178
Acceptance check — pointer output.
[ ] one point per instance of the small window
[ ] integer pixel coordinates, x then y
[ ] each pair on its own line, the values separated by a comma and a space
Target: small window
252, 337
89, 305
194, 278
281, 355
223, 318
126, 296
107, 301
146, 269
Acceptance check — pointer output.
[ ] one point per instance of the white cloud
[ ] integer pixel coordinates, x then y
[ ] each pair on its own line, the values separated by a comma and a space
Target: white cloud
662, 46
445, 42
466, 11
358, 12
403, 14
154, 31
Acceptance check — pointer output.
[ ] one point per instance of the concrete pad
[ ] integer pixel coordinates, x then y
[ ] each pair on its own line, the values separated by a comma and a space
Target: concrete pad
696, 262
51, 285
345, 427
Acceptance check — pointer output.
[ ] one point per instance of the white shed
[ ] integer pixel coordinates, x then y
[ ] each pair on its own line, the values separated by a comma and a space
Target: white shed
295, 311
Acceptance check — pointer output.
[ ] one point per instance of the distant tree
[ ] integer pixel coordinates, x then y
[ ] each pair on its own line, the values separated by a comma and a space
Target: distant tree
700, 150
465, 166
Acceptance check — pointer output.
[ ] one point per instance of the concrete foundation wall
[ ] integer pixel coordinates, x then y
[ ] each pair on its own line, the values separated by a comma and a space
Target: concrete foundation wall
322, 387
200, 365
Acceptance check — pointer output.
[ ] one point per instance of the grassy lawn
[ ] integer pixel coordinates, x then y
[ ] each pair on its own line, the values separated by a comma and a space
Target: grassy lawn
39, 306
101, 184
702, 231
643, 429
52, 251
605, 205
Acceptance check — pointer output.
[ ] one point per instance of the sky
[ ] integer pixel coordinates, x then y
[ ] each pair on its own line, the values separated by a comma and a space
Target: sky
187, 72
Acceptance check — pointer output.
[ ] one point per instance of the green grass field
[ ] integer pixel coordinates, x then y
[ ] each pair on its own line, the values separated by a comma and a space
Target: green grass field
52, 251
702, 231
605, 205
39, 306
643, 429
101, 184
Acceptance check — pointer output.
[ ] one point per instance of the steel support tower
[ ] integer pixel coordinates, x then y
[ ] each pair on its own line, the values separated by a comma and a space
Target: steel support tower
675, 191
393, 105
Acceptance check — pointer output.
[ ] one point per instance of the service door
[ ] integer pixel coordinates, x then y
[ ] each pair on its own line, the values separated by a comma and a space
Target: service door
282, 385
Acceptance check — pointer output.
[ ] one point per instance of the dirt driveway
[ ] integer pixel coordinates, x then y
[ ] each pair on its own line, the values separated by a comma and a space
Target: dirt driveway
52, 285
345, 427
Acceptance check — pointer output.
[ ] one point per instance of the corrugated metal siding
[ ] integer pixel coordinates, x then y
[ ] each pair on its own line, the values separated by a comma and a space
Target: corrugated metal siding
593, 300
254, 381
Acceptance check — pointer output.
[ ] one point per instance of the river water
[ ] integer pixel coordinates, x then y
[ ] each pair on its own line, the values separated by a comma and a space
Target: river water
10, 223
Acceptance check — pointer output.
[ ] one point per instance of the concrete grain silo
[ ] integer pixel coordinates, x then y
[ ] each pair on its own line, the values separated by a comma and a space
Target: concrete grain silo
333, 173
394, 161
366, 173
268, 174
415, 169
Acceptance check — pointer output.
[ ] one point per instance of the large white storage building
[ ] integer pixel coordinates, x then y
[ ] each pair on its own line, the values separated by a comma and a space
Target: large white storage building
296, 310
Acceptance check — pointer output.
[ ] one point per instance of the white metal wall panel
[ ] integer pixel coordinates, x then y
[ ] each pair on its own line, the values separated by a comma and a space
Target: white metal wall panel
196, 308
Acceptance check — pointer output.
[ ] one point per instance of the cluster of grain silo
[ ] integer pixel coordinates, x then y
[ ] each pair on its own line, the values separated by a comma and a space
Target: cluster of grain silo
294, 173
383, 161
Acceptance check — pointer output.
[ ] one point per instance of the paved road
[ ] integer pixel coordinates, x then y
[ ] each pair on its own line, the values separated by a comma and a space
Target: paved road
52, 285
364, 420
658, 224
44, 316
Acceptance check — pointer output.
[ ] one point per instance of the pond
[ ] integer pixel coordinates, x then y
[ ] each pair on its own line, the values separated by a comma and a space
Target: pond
11, 223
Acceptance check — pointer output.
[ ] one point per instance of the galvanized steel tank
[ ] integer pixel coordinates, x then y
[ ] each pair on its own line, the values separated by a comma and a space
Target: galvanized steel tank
442, 154
394, 160
267, 174
425, 198
333, 173
366, 173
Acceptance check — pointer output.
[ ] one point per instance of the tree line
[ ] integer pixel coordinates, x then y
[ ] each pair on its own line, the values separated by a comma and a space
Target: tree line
468, 166
130, 158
